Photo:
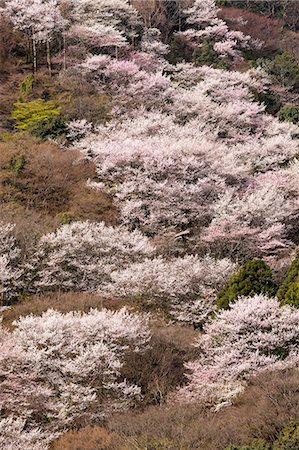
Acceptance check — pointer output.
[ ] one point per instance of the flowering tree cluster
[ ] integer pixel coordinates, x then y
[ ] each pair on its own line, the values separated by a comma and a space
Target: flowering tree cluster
202, 15
189, 153
103, 23
40, 20
59, 367
11, 271
14, 436
211, 159
254, 335
188, 284
86, 256
81, 256
130, 83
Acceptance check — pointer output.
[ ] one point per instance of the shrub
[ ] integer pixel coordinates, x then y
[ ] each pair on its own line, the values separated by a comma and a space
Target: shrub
285, 68
270, 100
52, 127
288, 293
256, 445
292, 294
44, 179
88, 438
160, 368
255, 277
289, 113
28, 114
206, 55
17, 163
26, 85
64, 218
257, 417
288, 438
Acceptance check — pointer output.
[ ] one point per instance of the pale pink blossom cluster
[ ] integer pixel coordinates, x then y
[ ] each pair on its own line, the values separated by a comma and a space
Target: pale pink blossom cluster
188, 285
11, 270
97, 36
202, 15
39, 19
102, 23
254, 335
15, 436
151, 42
81, 255
215, 160
130, 83
58, 367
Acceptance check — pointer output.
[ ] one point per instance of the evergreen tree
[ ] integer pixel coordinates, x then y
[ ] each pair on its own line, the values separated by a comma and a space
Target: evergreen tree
254, 277
288, 292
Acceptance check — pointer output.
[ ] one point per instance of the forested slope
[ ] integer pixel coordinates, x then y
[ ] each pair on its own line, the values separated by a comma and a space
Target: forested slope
149, 205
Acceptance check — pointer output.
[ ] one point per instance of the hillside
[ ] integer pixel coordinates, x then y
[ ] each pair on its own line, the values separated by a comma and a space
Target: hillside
149, 206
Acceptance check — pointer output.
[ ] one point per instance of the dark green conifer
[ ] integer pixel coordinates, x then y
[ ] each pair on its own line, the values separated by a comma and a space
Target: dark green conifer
255, 277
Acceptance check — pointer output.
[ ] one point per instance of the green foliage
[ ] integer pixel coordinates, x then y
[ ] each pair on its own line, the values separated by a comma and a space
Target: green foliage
53, 127
17, 163
288, 293
255, 277
289, 438
270, 8
255, 445
28, 114
64, 218
270, 100
281, 352
285, 68
26, 86
292, 294
251, 55
179, 51
206, 55
289, 113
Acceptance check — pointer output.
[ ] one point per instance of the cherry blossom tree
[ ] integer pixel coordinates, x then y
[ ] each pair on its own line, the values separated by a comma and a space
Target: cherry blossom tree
188, 285
103, 23
39, 19
254, 335
151, 42
15, 436
10, 264
59, 367
129, 86
98, 36
202, 15
81, 255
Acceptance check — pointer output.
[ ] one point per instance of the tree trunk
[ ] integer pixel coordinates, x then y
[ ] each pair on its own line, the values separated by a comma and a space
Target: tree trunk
180, 17
34, 56
49, 58
64, 51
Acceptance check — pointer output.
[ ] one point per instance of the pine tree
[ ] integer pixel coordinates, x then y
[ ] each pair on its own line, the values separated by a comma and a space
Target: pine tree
254, 277
288, 292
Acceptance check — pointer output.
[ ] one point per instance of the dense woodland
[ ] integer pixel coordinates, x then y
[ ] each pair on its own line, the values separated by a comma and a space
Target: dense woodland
149, 225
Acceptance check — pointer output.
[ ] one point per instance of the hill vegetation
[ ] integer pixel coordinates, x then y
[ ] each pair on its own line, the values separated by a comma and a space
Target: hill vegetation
149, 186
